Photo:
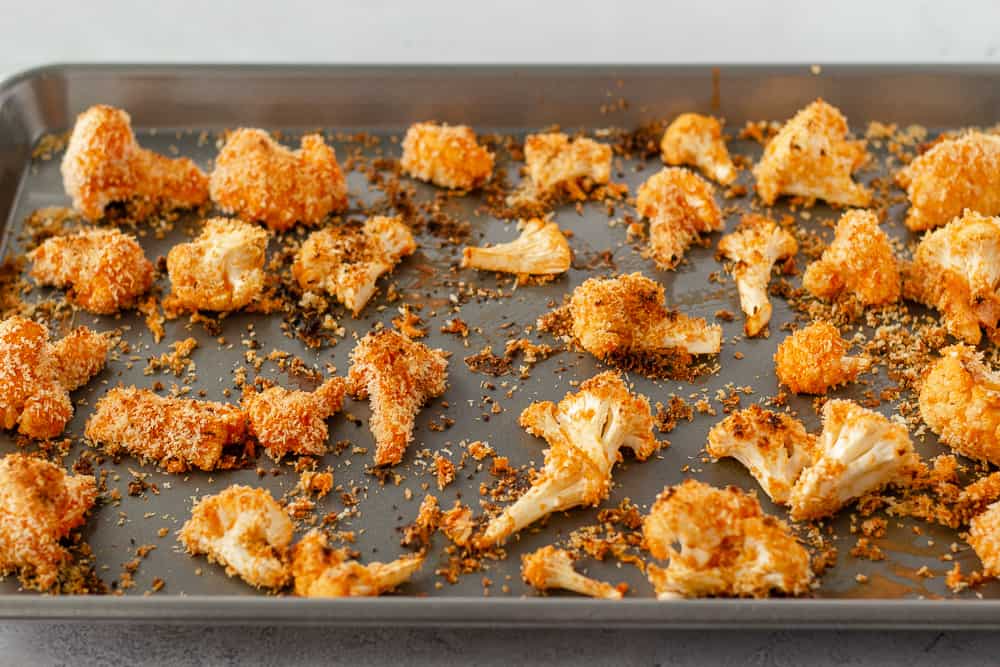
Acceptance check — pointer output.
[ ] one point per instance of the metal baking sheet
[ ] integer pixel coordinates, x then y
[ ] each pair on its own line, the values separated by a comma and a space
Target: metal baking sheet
172, 107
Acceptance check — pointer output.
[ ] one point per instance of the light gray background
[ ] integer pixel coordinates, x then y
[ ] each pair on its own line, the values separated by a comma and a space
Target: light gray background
513, 31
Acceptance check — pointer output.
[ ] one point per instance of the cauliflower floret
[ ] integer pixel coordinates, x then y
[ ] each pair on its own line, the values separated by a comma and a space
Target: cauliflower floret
755, 246
447, 156
258, 179
984, 537
960, 401
105, 165
956, 269
246, 531
860, 262
347, 262
859, 451
320, 571
585, 433
720, 543
39, 505
680, 206
814, 359
398, 376
558, 165
293, 422
774, 447
549, 568
103, 269
541, 249
697, 140
222, 269
812, 157
952, 176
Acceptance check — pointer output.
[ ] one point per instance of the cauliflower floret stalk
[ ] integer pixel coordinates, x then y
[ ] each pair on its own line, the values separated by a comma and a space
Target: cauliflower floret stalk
541, 249
681, 207
321, 571
549, 568
585, 433
859, 451
755, 246
697, 140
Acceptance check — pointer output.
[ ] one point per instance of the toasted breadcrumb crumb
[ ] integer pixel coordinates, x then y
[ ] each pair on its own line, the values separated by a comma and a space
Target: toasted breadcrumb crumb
558, 165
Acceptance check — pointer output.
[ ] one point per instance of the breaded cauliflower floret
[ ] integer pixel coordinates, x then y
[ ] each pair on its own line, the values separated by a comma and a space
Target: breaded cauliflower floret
860, 262
774, 447
397, 376
222, 269
681, 207
756, 245
36, 376
446, 155
585, 433
323, 572
984, 537
558, 165
956, 269
293, 422
814, 359
103, 269
246, 531
39, 505
812, 157
176, 433
347, 262
258, 179
960, 402
859, 451
697, 140
720, 543
549, 568
105, 165
952, 176
541, 249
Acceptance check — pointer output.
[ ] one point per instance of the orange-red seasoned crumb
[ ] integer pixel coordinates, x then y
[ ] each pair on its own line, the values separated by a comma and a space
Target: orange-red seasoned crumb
321, 571
293, 422
814, 359
558, 165
680, 206
549, 568
446, 155
697, 140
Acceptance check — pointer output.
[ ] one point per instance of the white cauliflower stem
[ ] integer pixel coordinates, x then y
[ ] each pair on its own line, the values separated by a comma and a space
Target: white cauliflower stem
321, 571
549, 568
541, 249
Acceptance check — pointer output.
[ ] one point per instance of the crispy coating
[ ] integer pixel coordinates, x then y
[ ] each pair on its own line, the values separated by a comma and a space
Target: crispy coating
812, 157
175, 433
446, 155
680, 206
558, 165
585, 433
541, 249
36, 376
720, 543
398, 376
984, 537
549, 568
323, 572
258, 179
956, 269
39, 505
955, 174
246, 531
293, 422
697, 140
347, 262
222, 269
105, 165
814, 359
756, 245
103, 269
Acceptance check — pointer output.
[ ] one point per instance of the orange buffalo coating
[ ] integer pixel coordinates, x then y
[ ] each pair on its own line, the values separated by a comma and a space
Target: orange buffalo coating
814, 359
293, 422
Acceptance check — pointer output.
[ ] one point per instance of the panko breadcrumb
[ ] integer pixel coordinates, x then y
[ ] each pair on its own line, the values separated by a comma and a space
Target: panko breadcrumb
541, 249
558, 165
680, 206
984, 537
549, 568
293, 422
697, 140
323, 572
446, 155
814, 359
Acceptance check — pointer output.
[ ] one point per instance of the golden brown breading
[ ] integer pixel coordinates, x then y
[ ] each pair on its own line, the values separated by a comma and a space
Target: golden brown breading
814, 359
680, 206
246, 531
549, 568
398, 376
446, 155
258, 179
103, 269
321, 571
984, 537
36, 376
720, 543
812, 157
105, 165
222, 269
347, 262
541, 249
697, 140
955, 174
175, 433
39, 505
558, 165
293, 422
